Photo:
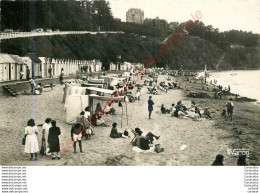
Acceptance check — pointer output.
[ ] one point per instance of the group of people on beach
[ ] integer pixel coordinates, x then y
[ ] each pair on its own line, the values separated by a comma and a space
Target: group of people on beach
180, 111
143, 142
50, 139
85, 123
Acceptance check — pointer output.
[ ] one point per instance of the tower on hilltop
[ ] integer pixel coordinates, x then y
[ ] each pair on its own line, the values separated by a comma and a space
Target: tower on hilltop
134, 15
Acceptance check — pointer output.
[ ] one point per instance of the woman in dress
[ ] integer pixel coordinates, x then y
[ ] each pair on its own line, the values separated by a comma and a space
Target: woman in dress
53, 140
31, 144
45, 133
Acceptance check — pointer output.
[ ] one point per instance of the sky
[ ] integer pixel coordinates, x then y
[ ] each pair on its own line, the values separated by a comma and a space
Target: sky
222, 14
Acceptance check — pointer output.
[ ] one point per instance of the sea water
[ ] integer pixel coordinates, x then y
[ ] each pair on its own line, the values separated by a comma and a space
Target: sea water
243, 82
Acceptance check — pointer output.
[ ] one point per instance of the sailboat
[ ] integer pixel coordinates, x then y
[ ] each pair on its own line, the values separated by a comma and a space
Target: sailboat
204, 74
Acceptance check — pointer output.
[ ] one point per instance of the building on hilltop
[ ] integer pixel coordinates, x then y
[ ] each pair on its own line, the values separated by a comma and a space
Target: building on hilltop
135, 16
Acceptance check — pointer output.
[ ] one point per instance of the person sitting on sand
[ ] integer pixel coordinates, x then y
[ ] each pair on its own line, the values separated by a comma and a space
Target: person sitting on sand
115, 134
139, 134
38, 89
163, 109
87, 112
224, 113
180, 105
206, 113
192, 106
145, 142
180, 110
99, 109
218, 95
100, 121
172, 110
197, 111
218, 161
154, 90
110, 110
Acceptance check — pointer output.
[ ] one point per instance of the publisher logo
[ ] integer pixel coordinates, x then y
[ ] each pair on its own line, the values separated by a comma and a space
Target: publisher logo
237, 152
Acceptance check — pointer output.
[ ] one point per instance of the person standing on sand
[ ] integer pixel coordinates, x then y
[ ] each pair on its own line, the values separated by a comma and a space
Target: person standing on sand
50, 71
61, 78
76, 135
45, 133
33, 85
230, 107
150, 106
31, 142
53, 140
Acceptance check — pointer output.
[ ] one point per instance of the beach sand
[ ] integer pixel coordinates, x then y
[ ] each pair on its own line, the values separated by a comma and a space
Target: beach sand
203, 139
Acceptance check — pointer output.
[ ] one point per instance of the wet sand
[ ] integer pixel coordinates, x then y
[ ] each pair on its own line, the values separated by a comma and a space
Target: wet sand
203, 140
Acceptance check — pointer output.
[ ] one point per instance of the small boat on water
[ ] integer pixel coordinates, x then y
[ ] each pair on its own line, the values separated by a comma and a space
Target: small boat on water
233, 74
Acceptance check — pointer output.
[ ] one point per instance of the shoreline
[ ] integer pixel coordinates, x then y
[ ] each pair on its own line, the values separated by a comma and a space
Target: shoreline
243, 129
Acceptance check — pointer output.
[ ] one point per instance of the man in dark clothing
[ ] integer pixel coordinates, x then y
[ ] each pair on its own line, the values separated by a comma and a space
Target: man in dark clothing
150, 106
76, 135
61, 78
50, 72
27, 73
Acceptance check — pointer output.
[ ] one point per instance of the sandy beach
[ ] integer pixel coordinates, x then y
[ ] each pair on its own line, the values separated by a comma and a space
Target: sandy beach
203, 139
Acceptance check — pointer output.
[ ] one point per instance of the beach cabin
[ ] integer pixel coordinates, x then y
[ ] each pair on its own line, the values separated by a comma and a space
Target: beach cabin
113, 66
37, 64
11, 68
98, 66
34, 64
45, 64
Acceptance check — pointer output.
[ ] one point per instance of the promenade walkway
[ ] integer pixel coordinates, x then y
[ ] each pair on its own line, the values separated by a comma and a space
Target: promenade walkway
34, 34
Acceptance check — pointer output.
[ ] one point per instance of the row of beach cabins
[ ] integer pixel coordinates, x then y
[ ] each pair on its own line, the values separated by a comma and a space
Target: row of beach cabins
14, 67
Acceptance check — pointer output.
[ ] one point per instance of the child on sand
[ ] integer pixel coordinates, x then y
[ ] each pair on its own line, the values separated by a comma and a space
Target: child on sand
76, 135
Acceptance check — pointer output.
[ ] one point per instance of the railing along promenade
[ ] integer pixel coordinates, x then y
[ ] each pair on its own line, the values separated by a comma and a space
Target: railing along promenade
13, 35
